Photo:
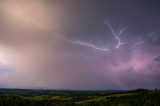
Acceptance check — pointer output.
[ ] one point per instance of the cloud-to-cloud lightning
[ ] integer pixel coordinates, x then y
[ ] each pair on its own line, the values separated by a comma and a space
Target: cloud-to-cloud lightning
117, 36
89, 44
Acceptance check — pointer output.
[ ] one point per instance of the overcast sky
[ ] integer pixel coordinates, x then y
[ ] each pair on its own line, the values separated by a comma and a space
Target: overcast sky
80, 44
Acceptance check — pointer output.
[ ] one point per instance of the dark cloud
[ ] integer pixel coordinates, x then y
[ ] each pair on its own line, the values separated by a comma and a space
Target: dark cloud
37, 43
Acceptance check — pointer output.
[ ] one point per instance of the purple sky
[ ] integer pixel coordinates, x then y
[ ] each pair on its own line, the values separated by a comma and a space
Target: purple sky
80, 44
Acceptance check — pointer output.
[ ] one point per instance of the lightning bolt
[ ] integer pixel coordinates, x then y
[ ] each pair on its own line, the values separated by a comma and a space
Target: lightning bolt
80, 43
117, 35
89, 45
97, 48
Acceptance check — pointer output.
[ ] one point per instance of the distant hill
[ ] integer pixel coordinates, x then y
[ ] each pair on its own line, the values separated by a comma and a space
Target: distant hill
38, 97
55, 92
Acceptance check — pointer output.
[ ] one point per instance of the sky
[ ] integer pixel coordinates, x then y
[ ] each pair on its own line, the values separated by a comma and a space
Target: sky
80, 44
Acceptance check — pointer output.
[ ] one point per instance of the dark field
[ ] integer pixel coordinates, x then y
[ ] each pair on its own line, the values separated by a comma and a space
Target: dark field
24, 97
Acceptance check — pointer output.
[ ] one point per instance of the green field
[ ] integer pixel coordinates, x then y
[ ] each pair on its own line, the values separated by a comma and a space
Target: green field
24, 97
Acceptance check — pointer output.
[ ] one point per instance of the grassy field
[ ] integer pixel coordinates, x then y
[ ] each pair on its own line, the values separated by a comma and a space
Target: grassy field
24, 97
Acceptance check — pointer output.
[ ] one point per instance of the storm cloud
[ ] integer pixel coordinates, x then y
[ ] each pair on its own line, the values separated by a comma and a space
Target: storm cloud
39, 49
